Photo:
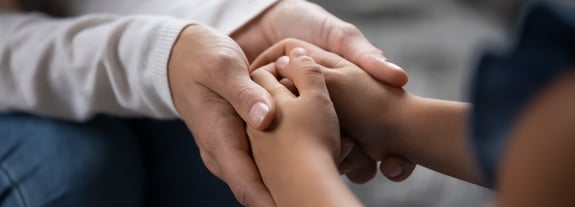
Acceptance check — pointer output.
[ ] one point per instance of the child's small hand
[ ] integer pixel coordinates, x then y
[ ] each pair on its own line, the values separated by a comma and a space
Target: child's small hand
367, 110
306, 125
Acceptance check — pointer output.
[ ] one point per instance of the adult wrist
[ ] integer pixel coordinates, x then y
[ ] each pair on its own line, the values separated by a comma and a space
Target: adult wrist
252, 37
160, 61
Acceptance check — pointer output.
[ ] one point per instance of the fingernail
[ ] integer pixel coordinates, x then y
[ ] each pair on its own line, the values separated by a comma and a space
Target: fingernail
344, 168
282, 62
258, 112
298, 52
392, 171
394, 66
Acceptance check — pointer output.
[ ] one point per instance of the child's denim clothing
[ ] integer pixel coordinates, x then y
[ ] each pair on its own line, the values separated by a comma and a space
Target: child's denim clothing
504, 84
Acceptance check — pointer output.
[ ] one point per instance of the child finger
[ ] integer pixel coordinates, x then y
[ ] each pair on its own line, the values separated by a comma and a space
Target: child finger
325, 58
289, 85
396, 168
362, 167
306, 75
265, 77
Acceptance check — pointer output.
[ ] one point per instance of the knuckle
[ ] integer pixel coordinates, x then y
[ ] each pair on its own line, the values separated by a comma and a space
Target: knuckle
227, 57
242, 94
340, 34
239, 191
257, 74
320, 97
348, 29
307, 65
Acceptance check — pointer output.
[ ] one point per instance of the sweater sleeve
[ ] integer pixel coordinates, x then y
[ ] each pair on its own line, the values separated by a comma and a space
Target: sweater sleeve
224, 15
74, 68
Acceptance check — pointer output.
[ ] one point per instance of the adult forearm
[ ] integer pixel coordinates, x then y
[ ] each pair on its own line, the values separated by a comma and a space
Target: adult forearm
223, 15
77, 67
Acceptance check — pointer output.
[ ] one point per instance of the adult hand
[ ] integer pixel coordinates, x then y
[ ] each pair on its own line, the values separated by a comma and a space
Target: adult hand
209, 81
309, 22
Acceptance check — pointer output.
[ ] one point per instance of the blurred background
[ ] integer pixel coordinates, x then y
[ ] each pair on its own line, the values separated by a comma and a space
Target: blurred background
438, 43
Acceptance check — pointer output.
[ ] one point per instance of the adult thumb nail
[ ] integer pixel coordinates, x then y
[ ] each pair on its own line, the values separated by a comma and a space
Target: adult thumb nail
258, 113
394, 66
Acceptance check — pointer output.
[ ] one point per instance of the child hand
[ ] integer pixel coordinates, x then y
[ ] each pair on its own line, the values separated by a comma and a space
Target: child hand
368, 110
305, 128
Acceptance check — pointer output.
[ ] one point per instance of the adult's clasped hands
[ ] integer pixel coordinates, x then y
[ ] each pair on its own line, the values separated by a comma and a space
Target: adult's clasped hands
211, 88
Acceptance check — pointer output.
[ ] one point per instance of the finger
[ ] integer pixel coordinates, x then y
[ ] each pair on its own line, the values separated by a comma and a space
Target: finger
345, 39
244, 180
229, 77
347, 145
220, 136
305, 73
289, 85
284, 47
250, 190
282, 62
396, 168
269, 82
362, 167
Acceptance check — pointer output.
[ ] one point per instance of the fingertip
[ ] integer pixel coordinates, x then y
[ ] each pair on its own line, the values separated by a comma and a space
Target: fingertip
363, 168
282, 62
298, 52
391, 170
396, 169
362, 176
381, 69
399, 77
258, 115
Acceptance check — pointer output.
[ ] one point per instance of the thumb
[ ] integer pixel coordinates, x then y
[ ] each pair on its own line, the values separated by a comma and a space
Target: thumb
348, 41
232, 81
252, 102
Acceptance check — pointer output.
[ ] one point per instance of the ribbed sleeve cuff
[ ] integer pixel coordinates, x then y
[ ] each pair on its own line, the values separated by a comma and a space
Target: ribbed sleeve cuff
160, 55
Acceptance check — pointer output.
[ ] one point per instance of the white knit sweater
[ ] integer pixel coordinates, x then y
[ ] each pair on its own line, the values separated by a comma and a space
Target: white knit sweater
105, 56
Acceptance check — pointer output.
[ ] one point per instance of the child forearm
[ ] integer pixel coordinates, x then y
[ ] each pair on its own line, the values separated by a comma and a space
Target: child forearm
309, 177
434, 135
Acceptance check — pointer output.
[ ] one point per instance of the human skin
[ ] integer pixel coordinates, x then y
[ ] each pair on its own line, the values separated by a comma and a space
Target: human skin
297, 155
10, 5
211, 88
537, 169
431, 132
387, 120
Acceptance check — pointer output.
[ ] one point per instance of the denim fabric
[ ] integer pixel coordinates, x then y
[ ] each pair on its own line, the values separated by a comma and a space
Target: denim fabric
504, 84
104, 162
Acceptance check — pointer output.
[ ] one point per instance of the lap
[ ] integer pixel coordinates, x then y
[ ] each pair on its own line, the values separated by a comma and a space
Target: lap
178, 176
104, 162
45, 162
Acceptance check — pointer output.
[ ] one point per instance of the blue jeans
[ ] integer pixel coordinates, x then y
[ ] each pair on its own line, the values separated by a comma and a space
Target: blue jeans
104, 162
